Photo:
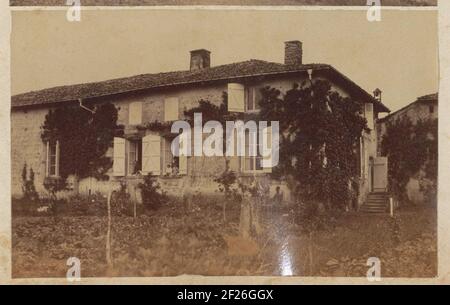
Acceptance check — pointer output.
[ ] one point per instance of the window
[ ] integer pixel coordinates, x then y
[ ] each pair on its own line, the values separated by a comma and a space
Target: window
52, 159
253, 96
368, 113
152, 154
171, 109
252, 163
134, 157
171, 164
135, 113
431, 109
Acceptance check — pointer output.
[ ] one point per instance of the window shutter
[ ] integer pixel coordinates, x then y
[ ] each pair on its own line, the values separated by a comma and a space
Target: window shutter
119, 157
267, 161
171, 109
135, 113
151, 154
368, 113
236, 98
182, 158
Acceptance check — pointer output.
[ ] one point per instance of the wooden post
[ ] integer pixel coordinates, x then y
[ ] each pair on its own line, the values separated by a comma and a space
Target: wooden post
135, 203
391, 206
108, 233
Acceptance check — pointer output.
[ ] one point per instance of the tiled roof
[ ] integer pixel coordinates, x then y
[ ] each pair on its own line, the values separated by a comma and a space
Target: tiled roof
426, 98
429, 97
238, 70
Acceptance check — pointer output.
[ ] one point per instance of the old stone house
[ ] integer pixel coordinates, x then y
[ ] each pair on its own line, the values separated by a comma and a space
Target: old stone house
164, 97
423, 108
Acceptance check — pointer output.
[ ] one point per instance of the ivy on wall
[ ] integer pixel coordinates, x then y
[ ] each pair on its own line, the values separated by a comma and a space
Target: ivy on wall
84, 138
319, 140
412, 151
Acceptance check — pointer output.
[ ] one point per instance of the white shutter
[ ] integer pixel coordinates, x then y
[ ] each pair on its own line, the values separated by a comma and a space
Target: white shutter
267, 161
119, 157
182, 158
171, 109
151, 154
135, 113
368, 113
236, 98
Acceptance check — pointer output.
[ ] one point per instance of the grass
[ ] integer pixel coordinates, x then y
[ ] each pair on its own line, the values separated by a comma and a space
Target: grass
180, 239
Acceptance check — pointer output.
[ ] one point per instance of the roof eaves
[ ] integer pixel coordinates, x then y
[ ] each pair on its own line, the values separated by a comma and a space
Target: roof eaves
304, 68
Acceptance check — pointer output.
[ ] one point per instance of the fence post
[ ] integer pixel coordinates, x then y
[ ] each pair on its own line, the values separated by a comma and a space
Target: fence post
108, 234
391, 206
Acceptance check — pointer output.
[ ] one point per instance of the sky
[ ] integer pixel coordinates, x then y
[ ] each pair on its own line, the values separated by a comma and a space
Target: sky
399, 54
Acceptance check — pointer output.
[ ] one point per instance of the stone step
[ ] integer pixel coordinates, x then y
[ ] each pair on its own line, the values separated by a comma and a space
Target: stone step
376, 203
377, 198
369, 204
373, 209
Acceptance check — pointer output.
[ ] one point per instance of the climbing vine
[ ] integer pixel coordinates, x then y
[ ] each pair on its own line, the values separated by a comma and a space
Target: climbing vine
412, 151
83, 137
319, 140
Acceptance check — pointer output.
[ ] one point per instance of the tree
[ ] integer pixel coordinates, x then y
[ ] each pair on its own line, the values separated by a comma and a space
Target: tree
319, 140
28, 187
152, 195
83, 137
411, 149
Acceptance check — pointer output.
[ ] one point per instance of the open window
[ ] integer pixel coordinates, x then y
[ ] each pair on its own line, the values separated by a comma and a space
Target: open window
52, 164
173, 165
252, 161
252, 98
134, 156
152, 154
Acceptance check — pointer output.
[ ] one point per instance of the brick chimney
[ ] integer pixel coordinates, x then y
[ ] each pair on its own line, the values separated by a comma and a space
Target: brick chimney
293, 52
200, 59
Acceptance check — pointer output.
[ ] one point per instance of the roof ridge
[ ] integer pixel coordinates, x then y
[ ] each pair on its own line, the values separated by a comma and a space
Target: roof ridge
146, 74
231, 71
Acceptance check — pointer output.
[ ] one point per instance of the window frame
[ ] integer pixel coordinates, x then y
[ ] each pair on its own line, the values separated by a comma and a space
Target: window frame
49, 159
431, 109
137, 151
254, 159
252, 92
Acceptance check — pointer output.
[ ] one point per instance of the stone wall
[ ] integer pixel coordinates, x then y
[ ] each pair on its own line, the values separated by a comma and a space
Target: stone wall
27, 147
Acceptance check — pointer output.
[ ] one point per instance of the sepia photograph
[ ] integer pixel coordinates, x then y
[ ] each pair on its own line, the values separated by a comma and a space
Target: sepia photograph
155, 142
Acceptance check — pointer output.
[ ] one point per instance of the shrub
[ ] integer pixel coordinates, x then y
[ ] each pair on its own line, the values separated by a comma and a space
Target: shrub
83, 205
152, 195
121, 201
227, 182
28, 187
